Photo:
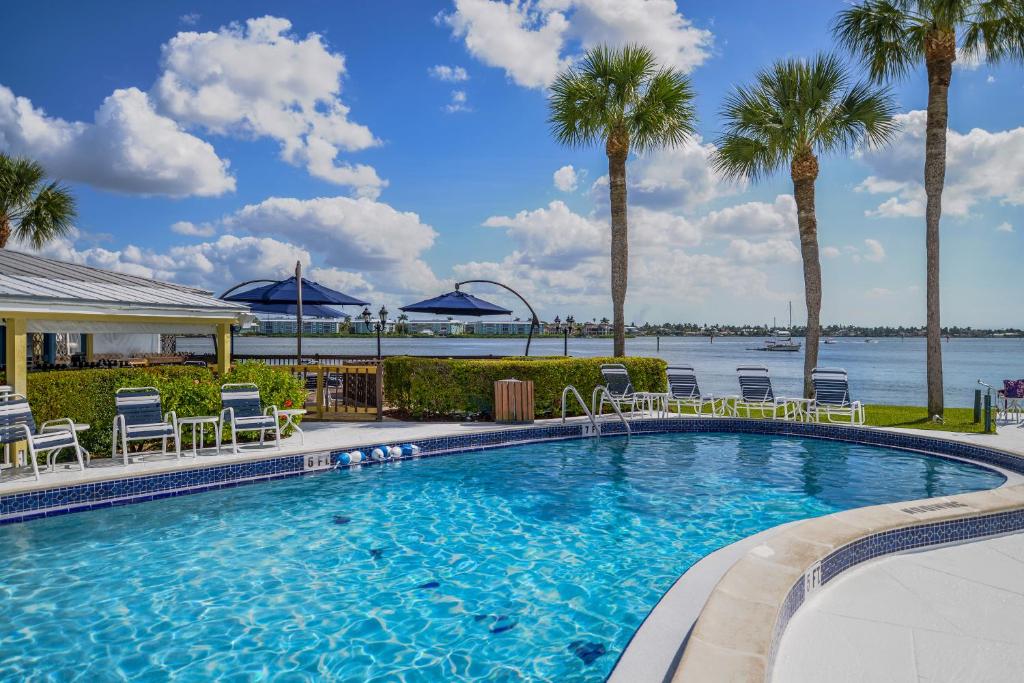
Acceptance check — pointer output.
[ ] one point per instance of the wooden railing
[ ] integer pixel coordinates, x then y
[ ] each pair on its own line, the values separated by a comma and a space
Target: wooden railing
342, 391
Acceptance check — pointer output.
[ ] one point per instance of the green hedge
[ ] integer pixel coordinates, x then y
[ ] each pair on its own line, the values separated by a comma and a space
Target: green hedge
88, 395
451, 388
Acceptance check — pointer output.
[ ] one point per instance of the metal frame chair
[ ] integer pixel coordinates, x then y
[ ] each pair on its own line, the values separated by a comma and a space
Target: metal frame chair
18, 424
140, 417
832, 393
241, 409
756, 393
620, 388
684, 391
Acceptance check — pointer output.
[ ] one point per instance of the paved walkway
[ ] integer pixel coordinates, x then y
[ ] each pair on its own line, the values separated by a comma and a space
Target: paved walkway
953, 614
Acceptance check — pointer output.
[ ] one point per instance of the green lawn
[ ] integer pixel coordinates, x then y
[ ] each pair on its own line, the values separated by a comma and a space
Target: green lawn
912, 417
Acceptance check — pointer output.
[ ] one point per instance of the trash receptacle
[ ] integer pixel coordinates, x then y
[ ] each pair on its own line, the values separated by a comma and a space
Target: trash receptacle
513, 401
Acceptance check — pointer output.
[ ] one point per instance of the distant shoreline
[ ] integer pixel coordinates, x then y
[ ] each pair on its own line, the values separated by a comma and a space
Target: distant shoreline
975, 334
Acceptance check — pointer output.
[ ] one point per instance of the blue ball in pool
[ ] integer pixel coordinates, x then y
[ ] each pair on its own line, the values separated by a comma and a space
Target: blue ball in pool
407, 450
345, 459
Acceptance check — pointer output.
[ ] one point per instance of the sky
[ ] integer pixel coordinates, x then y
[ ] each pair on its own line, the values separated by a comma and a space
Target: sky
394, 147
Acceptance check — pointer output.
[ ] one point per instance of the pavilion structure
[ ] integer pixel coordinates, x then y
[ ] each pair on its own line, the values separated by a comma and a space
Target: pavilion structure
43, 301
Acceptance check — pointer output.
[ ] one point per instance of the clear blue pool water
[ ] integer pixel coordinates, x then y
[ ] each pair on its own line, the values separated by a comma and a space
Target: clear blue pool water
526, 563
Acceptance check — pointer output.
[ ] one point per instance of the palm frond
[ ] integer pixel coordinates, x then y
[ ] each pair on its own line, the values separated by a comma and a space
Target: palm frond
887, 36
664, 115
995, 31
51, 214
19, 178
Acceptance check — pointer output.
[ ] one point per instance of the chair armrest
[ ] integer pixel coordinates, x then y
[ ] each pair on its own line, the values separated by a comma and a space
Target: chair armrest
60, 424
172, 417
230, 412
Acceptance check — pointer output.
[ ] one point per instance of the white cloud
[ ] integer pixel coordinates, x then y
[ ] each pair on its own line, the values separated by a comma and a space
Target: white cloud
452, 74
260, 81
757, 219
190, 19
1005, 226
533, 40
521, 38
566, 179
214, 265
679, 177
991, 79
193, 229
873, 250
553, 235
980, 165
775, 250
459, 102
128, 147
357, 234
830, 252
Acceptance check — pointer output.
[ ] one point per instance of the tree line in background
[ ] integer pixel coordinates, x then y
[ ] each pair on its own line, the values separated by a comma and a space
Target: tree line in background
794, 112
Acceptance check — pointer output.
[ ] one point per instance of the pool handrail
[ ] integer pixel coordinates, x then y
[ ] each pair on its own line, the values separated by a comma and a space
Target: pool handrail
602, 391
590, 416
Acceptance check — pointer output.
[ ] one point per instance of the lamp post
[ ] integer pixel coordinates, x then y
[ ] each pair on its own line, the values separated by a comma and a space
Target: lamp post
569, 321
378, 327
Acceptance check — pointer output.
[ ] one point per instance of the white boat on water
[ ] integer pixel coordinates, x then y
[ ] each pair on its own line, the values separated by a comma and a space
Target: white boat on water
781, 340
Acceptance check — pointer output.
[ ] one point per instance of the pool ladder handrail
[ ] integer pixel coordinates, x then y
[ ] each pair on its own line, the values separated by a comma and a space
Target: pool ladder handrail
600, 392
590, 416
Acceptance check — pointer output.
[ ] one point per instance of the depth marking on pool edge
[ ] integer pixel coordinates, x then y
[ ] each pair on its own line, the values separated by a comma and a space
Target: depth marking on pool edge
949, 504
311, 462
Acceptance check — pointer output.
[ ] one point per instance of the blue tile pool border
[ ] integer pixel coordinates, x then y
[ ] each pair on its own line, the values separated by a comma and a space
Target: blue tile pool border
60, 500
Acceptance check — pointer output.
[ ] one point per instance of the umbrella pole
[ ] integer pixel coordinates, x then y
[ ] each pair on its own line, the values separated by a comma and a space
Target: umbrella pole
298, 312
534, 320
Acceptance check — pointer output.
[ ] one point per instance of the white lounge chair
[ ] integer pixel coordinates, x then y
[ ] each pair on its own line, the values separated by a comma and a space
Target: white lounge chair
140, 417
620, 388
756, 393
832, 397
684, 391
242, 410
53, 436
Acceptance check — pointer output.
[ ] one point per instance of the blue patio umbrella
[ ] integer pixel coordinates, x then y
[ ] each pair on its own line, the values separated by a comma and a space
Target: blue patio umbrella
460, 303
311, 310
286, 292
456, 303
297, 291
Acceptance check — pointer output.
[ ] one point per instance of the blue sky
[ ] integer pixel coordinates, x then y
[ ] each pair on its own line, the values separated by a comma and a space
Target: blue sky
214, 142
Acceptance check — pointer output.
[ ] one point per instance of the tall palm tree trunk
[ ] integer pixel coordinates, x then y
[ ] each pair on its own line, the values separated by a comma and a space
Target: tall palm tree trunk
804, 171
5, 231
617, 150
940, 52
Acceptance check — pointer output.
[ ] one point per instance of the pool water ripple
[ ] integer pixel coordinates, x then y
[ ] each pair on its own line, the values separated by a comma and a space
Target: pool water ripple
524, 563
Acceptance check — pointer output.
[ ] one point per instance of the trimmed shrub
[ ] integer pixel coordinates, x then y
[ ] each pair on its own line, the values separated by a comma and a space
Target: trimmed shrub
88, 395
452, 388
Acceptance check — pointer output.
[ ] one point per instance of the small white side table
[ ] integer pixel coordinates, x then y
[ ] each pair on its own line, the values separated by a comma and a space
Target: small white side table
653, 403
201, 422
803, 409
290, 415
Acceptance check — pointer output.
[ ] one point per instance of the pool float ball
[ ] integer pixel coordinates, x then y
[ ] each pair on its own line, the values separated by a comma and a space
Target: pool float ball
345, 459
396, 452
356, 456
406, 450
415, 450
378, 454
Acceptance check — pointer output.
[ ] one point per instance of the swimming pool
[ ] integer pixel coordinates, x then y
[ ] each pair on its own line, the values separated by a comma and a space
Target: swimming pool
525, 562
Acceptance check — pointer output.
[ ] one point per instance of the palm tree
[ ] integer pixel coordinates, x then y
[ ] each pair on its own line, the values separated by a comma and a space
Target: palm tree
32, 210
795, 111
402, 319
622, 98
892, 37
